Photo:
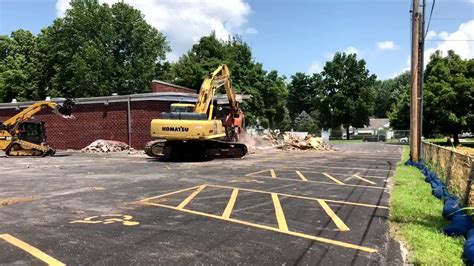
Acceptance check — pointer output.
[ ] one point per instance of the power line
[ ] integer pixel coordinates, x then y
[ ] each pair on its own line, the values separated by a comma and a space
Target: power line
429, 20
441, 40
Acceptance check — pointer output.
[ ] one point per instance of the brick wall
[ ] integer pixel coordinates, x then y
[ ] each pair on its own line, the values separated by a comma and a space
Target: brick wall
98, 121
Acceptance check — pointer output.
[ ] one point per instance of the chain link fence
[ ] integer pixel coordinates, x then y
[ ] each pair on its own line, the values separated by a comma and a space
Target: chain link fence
455, 169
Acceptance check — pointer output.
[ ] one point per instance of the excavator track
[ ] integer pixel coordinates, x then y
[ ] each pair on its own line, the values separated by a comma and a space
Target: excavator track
24, 148
194, 149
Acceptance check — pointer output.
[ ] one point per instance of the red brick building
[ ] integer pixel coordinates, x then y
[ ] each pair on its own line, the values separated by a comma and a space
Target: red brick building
123, 118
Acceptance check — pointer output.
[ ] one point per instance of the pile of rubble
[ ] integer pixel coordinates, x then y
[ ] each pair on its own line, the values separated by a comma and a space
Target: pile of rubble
101, 145
291, 142
270, 138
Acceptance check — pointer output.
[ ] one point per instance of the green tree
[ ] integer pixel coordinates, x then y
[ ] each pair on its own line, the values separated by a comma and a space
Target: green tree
96, 50
348, 93
303, 91
304, 122
449, 93
268, 89
388, 92
18, 66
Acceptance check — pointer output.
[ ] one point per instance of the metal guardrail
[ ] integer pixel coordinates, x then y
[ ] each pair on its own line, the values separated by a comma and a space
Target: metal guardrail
455, 169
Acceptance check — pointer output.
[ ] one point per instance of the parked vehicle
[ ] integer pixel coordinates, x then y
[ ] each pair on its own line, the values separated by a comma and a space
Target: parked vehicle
375, 138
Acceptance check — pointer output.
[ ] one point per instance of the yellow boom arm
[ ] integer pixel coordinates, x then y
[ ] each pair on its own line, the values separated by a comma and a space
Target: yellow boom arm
220, 77
28, 112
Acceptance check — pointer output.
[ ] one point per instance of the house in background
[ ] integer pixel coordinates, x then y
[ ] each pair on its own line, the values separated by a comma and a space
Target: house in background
377, 126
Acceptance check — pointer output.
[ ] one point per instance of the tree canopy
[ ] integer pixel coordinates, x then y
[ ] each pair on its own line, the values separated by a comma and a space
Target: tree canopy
348, 94
268, 89
94, 50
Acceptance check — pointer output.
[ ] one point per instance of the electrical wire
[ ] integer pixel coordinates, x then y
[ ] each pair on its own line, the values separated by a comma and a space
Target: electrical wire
429, 20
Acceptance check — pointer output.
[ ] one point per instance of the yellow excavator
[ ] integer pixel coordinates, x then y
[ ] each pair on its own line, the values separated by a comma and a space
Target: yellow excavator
21, 136
208, 132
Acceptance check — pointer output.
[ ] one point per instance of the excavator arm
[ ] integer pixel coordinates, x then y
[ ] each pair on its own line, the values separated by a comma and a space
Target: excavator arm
27, 113
220, 77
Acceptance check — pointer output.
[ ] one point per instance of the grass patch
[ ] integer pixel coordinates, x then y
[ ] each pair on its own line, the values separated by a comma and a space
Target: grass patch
415, 217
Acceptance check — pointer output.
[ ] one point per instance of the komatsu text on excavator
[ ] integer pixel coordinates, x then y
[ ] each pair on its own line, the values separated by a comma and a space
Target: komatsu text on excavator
207, 131
20, 136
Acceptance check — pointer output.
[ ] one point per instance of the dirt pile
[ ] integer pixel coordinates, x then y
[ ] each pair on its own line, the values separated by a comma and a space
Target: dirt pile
291, 142
101, 145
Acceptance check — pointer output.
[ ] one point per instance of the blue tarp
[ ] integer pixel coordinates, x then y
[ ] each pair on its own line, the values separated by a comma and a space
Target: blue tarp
461, 222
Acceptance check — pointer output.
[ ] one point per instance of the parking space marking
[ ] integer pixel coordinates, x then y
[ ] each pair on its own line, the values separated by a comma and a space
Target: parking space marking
190, 197
171, 193
321, 182
339, 223
31, 250
230, 204
266, 192
271, 171
363, 179
301, 176
280, 229
333, 178
279, 213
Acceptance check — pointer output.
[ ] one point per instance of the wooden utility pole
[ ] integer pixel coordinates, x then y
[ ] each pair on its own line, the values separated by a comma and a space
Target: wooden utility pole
421, 66
415, 92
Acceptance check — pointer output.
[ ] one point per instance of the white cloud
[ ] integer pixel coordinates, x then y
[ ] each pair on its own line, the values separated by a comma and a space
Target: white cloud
386, 45
431, 35
315, 67
184, 21
459, 41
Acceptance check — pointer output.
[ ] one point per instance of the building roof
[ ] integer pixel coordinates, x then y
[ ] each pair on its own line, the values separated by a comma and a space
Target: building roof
378, 123
154, 96
173, 85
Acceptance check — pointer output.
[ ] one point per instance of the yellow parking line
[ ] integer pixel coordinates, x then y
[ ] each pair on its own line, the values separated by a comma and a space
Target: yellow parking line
301, 176
339, 223
279, 213
333, 178
170, 193
30, 249
190, 197
303, 197
230, 204
269, 228
321, 182
363, 179
272, 172
259, 172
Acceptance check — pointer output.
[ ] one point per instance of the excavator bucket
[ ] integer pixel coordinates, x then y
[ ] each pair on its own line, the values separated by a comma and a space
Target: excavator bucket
66, 107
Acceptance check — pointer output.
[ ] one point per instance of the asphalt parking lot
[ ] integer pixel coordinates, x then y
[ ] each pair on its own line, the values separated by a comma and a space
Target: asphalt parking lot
272, 207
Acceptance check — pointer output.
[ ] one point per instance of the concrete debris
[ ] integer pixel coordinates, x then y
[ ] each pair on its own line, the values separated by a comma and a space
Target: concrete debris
291, 142
101, 145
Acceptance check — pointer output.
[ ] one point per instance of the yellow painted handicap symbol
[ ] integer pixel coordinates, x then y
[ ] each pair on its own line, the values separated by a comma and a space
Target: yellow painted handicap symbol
108, 219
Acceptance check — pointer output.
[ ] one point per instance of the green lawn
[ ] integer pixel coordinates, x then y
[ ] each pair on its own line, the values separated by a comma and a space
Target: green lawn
415, 219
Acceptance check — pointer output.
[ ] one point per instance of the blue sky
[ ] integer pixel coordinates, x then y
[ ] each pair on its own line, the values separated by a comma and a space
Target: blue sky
287, 35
